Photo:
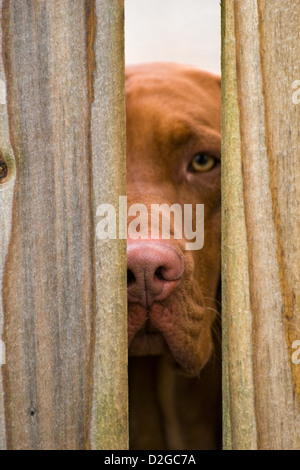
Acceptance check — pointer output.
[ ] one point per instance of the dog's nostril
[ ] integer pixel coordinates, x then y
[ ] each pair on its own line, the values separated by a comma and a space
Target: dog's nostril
159, 273
153, 272
130, 277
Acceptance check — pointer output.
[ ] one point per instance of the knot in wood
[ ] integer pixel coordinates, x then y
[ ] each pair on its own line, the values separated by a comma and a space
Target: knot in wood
3, 169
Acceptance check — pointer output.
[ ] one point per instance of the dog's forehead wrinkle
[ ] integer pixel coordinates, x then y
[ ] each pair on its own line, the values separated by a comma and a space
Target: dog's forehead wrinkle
182, 112
164, 128
159, 189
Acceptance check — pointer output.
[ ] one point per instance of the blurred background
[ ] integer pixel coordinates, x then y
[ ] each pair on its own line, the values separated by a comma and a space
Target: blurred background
186, 31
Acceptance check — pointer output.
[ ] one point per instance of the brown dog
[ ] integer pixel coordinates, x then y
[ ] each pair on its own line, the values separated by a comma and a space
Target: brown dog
173, 157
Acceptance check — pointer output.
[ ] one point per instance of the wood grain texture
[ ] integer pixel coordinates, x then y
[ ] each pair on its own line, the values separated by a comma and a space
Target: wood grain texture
64, 293
48, 282
265, 41
109, 420
7, 180
239, 425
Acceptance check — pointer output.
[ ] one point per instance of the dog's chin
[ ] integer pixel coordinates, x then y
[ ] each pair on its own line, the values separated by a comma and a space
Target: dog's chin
148, 343
152, 340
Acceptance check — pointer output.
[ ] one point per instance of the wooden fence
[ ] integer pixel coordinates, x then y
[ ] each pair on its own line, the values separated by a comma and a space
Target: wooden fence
64, 326
63, 292
261, 223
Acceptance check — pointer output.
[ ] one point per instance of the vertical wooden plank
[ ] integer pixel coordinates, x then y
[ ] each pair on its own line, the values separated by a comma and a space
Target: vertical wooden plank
109, 420
266, 36
48, 277
280, 52
7, 180
239, 426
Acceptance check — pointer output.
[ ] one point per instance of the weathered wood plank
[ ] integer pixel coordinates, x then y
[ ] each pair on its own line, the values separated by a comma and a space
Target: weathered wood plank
64, 293
48, 282
265, 42
280, 52
109, 420
239, 426
7, 180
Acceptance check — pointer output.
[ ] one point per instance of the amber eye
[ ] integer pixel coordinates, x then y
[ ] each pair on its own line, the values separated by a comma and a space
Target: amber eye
202, 163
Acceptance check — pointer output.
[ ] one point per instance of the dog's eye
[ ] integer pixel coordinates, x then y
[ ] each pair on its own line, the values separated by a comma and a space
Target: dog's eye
202, 162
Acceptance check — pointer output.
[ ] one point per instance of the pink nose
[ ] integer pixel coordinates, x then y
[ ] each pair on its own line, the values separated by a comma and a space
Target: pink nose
154, 269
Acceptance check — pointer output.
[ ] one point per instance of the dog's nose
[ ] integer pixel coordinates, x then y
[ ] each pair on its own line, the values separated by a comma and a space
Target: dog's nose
154, 270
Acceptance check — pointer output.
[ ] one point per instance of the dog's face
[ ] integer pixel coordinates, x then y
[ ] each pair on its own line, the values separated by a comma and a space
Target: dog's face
173, 157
